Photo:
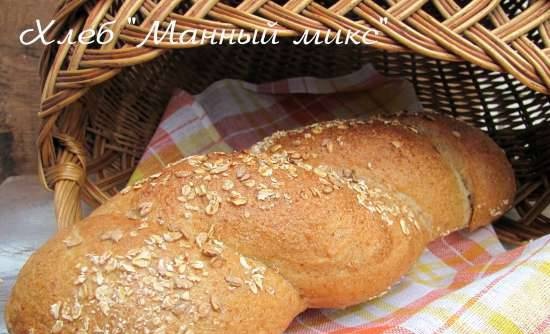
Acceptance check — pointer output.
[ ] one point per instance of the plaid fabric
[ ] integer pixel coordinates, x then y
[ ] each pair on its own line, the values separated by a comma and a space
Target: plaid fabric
463, 283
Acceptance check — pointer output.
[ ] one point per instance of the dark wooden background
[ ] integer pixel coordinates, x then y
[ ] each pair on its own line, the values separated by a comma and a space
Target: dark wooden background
19, 85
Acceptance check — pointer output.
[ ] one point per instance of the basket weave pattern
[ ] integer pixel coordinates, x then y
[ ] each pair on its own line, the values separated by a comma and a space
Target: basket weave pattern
484, 61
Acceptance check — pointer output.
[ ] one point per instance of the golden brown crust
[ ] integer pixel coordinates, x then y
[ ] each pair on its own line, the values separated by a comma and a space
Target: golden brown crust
328, 222
295, 219
486, 171
389, 151
150, 278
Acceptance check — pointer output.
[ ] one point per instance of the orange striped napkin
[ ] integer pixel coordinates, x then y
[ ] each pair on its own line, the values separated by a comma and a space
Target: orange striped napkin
463, 283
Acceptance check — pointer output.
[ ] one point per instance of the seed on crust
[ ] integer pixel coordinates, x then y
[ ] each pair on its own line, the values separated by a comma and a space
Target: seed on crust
145, 208
241, 171
234, 281
212, 250
220, 168
404, 227
172, 236
55, 310
239, 201
396, 144
57, 326
183, 283
266, 194
143, 259
249, 183
215, 303
114, 235
201, 238
227, 185
182, 174
73, 240
265, 170
276, 147
212, 208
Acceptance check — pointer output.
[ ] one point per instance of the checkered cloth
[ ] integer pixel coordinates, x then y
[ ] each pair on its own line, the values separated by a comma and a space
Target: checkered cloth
463, 283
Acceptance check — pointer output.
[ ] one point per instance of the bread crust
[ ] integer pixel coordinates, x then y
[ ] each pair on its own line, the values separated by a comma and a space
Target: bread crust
331, 221
140, 296
483, 166
313, 237
392, 152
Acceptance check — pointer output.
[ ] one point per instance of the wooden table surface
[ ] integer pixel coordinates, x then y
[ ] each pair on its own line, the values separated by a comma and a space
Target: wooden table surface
19, 85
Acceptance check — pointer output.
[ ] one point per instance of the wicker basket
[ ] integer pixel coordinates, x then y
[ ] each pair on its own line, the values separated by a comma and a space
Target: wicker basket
484, 61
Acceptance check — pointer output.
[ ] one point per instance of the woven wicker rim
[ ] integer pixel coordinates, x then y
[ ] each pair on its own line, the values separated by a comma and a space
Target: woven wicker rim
456, 33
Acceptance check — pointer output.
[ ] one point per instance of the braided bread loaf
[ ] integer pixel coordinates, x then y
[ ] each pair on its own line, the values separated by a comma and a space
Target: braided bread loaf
325, 216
